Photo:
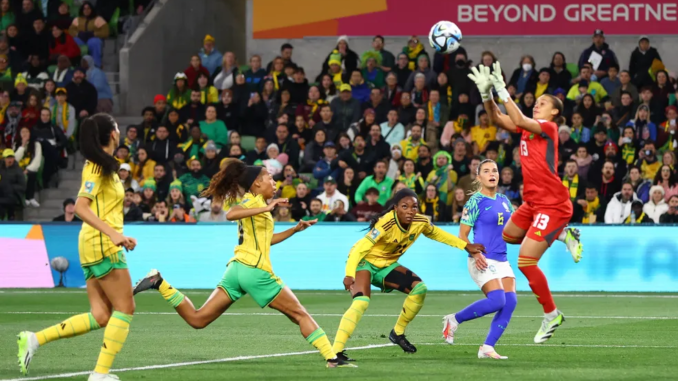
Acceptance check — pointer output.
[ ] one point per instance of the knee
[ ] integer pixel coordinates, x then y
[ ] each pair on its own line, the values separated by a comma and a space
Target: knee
126, 308
419, 289
360, 303
498, 299
101, 316
511, 300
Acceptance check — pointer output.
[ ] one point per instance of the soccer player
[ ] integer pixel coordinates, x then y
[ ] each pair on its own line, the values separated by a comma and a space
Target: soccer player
109, 287
544, 215
373, 260
486, 212
250, 270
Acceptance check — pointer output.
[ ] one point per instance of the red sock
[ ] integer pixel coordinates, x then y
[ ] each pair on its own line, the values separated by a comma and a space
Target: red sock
512, 240
538, 283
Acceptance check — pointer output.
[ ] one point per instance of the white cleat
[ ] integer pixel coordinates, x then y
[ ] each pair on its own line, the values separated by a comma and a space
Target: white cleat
450, 326
102, 377
487, 352
548, 328
574, 245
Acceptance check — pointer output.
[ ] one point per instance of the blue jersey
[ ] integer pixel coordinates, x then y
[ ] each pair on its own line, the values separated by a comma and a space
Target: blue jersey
487, 216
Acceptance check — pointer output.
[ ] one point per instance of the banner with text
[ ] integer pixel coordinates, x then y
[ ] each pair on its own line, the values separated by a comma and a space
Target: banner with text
475, 18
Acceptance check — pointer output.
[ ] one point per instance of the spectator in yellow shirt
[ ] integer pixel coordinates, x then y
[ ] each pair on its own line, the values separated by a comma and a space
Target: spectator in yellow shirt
411, 145
594, 88
483, 133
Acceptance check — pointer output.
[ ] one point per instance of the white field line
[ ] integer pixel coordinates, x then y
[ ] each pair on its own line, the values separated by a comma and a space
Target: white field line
242, 358
339, 315
378, 294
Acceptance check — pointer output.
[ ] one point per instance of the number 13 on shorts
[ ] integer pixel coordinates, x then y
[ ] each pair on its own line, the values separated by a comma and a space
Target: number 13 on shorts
541, 221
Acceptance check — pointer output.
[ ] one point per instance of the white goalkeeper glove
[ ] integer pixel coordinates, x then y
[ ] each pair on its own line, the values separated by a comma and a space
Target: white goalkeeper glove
481, 77
498, 82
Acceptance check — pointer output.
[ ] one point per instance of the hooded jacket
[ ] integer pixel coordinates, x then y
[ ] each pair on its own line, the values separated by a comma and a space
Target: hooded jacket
98, 79
617, 211
443, 179
609, 58
654, 211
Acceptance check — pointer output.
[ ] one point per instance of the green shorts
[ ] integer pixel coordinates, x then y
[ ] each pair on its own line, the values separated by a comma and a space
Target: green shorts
101, 269
241, 279
377, 274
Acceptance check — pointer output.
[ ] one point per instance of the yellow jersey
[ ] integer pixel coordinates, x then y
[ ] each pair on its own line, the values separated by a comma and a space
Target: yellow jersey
107, 195
388, 241
254, 235
482, 136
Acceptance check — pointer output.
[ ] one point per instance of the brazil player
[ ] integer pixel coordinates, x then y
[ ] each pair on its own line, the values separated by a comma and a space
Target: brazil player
546, 211
373, 260
109, 287
250, 270
486, 212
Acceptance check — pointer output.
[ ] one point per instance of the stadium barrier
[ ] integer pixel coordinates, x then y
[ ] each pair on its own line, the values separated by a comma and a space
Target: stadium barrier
616, 258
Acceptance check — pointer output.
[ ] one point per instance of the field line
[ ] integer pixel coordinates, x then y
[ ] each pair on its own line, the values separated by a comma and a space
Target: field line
372, 346
339, 315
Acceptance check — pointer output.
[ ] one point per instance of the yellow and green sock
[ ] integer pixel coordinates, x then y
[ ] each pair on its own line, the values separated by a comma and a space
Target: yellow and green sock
115, 336
71, 327
173, 296
349, 322
411, 307
320, 341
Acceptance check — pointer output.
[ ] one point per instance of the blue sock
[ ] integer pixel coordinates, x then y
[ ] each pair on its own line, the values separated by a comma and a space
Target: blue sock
502, 319
494, 302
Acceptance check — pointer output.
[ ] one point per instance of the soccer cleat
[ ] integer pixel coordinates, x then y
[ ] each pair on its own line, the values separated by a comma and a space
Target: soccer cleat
343, 356
489, 353
28, 345
102, 377
152, 280
548, 327
402, 342
339, 363
450, 326
574, 245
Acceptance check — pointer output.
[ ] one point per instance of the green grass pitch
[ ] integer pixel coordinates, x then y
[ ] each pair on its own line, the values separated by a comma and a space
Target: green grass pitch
605, 337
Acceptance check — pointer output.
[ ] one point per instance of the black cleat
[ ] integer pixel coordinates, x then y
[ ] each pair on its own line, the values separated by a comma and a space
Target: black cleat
152, 280
343, 356
402, 342
339, 363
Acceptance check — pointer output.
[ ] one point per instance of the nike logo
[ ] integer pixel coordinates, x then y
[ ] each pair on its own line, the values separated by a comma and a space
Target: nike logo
488, 208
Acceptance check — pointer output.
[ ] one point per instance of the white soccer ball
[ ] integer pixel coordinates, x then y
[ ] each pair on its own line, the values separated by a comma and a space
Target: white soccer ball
445, 37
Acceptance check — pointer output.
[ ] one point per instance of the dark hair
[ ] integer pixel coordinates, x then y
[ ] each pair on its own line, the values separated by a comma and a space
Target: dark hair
558, 119
396, 199
613, 66
372, 190
286, 46
82, 8
228, 181
317, 200
95, 133
658, 177
672, 197
554, 56
161, 202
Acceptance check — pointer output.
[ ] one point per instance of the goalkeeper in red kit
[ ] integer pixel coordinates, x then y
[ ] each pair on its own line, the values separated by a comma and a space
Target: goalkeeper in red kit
547, 209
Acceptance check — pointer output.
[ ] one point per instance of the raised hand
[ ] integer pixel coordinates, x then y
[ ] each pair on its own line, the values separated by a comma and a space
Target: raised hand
496, 78
303, 225
481, 77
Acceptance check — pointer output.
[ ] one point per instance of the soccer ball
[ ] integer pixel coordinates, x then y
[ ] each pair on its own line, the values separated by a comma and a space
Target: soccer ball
445, 37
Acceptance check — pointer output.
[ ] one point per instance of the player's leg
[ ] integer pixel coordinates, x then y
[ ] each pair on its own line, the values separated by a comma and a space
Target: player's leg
226, 293
546, 227
489, 282
404, 280
117, 286
516, 228
288, 304
570, 236
101, 310
360, 292
501, 319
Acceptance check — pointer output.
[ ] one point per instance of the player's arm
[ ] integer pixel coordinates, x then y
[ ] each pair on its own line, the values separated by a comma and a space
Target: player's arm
362, 248
437, 234
514, 113
464, 230
301, 226
239, 212
498, 118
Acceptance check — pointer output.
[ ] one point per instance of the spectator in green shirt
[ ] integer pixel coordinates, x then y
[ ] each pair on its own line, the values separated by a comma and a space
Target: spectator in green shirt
379, 181
594, 88
193, 182
213, 128
316, 211
6, 15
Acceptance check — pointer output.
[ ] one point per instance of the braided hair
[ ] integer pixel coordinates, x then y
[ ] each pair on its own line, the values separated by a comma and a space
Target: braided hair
401, 194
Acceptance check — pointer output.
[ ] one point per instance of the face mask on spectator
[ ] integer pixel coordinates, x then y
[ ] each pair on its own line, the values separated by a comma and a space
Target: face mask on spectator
460, 63
527, 67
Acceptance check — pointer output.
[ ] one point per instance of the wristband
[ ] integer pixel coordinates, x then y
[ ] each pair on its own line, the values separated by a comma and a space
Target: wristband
486, 96
504, 95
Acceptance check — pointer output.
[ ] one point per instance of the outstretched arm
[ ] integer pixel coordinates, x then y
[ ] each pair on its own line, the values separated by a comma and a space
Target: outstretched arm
238, 212
437, 234
514, 113
301, 226
498, 118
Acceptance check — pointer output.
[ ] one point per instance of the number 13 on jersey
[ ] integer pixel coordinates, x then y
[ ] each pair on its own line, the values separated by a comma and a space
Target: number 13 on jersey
523, 148
541, 221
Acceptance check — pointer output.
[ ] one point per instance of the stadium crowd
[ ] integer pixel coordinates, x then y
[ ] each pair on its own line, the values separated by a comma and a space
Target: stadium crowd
51, 78
342, 143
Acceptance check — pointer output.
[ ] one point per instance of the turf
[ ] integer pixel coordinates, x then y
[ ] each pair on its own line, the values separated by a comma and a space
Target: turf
605, 337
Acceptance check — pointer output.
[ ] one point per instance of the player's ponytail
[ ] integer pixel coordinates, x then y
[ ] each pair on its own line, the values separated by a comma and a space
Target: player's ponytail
558, 119
95, 133
396, 199
476, 185
227, 183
